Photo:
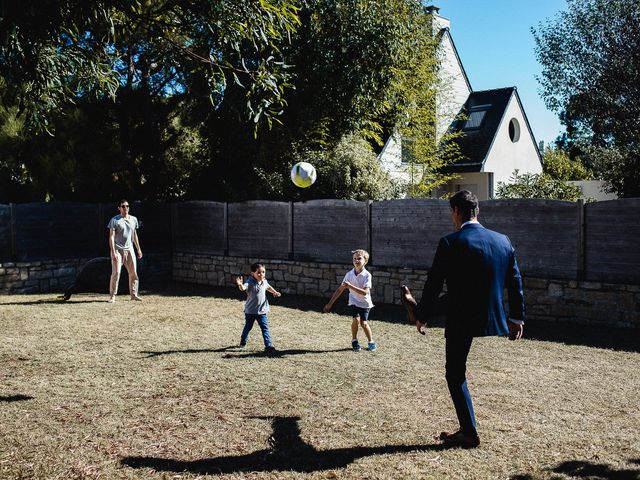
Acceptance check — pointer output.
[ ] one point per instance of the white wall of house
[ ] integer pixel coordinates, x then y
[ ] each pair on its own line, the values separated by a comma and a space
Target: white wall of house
476, 182
593, 190
511, 152
391, 159
454, 89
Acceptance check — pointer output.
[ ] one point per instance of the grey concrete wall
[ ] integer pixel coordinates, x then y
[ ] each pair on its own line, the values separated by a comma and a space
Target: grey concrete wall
405, 233
328, 230
260, 228
545, 233
199, 227
612, 241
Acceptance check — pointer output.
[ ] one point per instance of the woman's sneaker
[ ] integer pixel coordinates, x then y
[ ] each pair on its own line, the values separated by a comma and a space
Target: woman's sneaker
355, 345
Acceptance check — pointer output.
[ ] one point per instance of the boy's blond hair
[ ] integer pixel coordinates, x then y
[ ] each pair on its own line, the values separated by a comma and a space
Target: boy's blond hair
362, 252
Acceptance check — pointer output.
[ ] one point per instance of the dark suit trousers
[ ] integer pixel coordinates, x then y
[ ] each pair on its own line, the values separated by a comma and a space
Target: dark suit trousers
456, 352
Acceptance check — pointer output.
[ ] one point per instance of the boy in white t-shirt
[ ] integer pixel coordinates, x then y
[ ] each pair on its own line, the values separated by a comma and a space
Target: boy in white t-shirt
358, 282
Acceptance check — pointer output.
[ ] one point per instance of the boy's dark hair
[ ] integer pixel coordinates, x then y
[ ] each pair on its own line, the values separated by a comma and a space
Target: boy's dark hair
256, 266
466, 202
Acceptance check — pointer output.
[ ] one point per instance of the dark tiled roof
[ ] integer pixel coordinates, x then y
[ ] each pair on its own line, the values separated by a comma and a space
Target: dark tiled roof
475, 143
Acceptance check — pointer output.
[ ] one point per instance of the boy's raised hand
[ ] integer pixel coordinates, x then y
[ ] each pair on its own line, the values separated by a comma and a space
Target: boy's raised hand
239, 281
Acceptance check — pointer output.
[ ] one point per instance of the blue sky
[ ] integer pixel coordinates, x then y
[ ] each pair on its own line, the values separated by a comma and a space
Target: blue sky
495, 44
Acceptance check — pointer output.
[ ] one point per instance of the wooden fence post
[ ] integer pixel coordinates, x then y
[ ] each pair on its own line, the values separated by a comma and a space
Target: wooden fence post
581, 251
14, 242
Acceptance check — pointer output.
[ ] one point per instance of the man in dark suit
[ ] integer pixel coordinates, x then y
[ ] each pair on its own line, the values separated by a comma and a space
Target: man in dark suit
476, 264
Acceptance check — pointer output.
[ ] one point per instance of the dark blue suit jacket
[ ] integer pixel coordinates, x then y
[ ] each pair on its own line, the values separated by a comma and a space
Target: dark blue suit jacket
477, 264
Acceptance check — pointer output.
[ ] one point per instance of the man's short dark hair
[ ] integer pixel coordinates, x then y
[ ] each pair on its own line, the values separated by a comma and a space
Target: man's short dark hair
124, 200
466, 202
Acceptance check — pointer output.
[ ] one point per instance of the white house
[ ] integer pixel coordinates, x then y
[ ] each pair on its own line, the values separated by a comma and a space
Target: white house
497, 138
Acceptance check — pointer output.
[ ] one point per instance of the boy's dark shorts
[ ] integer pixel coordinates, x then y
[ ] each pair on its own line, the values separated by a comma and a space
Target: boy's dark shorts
359, 312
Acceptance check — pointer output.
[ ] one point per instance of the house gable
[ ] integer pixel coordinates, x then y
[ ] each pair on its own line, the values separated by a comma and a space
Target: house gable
513, 146
453, 77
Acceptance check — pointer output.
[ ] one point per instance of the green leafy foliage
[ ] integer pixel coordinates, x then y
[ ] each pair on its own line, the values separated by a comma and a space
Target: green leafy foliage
557, 164
591, 76
211, 100
537, 185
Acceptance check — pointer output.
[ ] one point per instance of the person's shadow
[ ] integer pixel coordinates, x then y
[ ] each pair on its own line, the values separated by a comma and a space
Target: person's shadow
14, 398
238, 352
287, 452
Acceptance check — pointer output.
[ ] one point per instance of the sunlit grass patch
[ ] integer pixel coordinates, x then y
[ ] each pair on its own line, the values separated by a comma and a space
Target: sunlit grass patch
160, 388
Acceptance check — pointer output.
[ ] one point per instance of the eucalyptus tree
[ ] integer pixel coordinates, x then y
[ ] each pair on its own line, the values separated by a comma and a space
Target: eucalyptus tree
138, 60
590, 56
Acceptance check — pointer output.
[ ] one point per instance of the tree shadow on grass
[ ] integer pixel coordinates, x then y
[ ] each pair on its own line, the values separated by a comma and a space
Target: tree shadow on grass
592, 471
241, 353
622, 339
596, 471
287, 452
14, 398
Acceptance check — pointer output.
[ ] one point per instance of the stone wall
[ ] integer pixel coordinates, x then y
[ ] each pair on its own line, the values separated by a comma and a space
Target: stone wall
43, 276
38, 276
586, 303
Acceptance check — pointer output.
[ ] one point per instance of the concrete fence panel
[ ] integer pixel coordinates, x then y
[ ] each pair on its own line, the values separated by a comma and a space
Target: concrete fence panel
328, 230
260, 229
56, 230
5, 232
405, 233
199, 227
545, 233
612, 245
155, 226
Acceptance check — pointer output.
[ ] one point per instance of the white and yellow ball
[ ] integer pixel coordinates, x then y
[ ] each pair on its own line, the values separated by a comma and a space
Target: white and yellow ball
303, 174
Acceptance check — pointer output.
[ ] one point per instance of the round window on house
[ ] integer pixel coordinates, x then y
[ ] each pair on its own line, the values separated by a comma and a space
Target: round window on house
514, 130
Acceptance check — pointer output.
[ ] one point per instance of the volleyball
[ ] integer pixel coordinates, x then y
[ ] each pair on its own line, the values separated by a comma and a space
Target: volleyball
303, 174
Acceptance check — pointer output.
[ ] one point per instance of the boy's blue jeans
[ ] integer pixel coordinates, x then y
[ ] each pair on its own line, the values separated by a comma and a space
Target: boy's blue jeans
263, 322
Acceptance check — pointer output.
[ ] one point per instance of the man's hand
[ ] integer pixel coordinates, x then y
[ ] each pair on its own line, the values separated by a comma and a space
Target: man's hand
515, 331
139, 253
326, 308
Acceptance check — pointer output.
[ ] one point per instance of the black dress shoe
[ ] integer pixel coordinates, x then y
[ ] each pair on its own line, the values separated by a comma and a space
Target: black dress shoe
460, 439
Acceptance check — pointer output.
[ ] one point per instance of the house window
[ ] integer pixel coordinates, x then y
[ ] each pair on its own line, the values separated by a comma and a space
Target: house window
475, 117
514, 130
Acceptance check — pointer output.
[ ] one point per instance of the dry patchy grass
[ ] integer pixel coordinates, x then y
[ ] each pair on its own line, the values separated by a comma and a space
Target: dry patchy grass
159, 390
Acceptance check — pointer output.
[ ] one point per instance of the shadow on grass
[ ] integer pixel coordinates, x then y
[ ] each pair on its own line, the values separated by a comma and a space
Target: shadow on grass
595, 471
285, 353
57, 300
622, 339
287, 452
241, 353
14, 398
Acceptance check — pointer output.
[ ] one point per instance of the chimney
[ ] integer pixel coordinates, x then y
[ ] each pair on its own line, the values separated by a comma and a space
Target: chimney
432, 10
439, 22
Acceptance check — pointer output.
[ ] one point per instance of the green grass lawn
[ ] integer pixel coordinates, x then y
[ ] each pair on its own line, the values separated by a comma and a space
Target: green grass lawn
159, 389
